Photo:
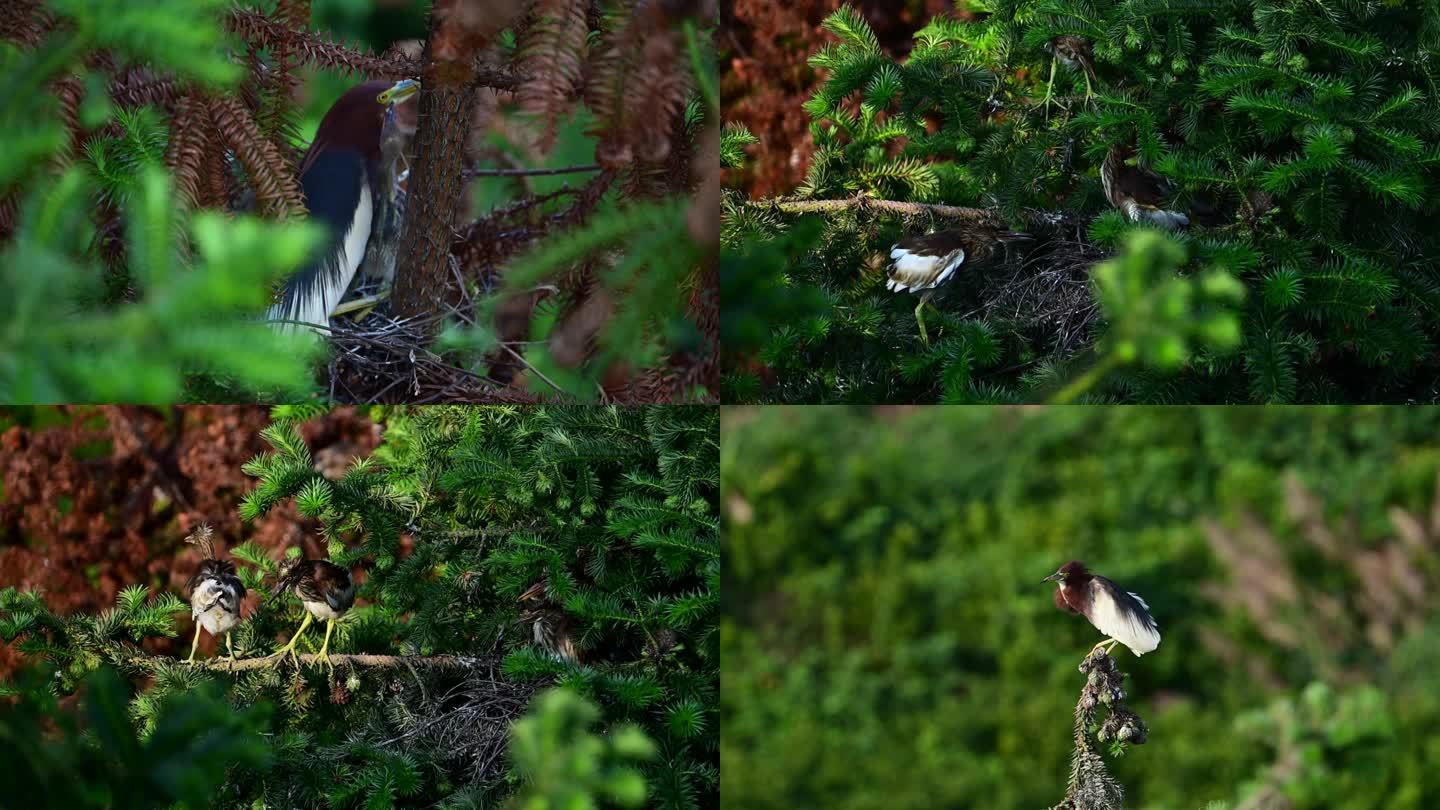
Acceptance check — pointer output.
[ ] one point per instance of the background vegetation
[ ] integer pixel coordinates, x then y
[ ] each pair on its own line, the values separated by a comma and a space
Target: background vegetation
887, 640
452, 514
1303, 142
149, 204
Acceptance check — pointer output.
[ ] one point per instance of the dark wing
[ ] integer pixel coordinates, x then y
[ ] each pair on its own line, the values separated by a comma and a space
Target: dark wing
940, 243
333, 184
233, 583
333, 585
209, 569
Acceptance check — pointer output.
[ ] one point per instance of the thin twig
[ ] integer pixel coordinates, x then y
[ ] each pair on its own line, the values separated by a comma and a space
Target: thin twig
530, 172
538, 373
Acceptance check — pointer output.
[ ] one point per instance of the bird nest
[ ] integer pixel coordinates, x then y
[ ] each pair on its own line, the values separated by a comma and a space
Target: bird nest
467, 726
1049, 294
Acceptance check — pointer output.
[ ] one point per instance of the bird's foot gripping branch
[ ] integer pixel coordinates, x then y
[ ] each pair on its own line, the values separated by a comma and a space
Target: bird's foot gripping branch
1091, 787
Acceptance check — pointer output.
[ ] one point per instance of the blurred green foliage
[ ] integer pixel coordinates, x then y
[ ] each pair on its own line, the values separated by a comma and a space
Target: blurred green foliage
887, 640
94, 757
566, 766
197, 286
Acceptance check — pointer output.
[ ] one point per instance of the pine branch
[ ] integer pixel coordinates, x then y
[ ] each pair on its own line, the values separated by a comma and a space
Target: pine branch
864, 203
276, 186
157, 662
316, 50
1091, 787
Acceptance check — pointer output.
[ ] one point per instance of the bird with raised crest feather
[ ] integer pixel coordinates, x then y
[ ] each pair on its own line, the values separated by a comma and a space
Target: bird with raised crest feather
327, 592
921, 264
215, 593
1120, 614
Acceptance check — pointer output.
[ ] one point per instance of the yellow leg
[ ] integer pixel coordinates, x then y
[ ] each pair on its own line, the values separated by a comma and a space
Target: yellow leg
920, 315
324, 656
363, 304
1087, 88
193, 644
229, 648
1108, 644
290, 648
1049, 90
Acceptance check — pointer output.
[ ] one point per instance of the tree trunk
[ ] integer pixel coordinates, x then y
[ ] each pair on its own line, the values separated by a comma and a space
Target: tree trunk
458, 30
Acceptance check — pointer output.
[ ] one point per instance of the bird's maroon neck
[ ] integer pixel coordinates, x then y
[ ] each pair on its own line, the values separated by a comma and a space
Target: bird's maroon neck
1074, 589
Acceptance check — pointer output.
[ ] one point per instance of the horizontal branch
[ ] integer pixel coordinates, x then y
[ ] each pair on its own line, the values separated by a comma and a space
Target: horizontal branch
308, 659
592, 167
316, 50
865, 203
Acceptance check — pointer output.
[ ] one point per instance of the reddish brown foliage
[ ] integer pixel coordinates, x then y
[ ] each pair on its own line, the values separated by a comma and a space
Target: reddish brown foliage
104, 499
765, 78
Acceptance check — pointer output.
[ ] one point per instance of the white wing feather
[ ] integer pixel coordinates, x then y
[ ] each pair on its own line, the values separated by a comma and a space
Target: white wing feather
331, 281
1139, 632
915, 272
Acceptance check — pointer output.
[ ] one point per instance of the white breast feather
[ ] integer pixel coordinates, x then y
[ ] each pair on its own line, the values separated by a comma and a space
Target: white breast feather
915, 272
1128, 629
211, 604
330, 283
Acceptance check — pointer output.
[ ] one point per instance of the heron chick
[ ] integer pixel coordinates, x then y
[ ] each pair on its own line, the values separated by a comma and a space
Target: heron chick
325, 589
921, 264
215, 593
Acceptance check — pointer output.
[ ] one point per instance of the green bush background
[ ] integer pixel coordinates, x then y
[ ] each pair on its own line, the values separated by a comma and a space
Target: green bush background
887, 640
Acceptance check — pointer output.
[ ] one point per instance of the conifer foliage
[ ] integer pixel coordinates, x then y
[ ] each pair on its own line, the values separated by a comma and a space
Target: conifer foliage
1303, 141
458, 514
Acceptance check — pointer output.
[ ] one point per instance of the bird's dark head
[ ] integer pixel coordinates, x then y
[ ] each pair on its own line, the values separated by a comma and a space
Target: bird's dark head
288, 573
357, 119
222, 570
1070, 573
217, 568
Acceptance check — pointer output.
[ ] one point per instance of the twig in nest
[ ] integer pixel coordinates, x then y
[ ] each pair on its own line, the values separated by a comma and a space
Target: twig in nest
1050, 293
1091, 787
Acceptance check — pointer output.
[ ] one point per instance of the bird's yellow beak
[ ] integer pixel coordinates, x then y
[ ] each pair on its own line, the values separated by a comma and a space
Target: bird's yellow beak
398, 92
1052, 577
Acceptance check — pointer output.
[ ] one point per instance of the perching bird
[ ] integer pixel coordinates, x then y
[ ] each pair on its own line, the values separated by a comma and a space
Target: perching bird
348, 177
327, 592
549, 625
1119, 614
215, 593
922, 263
1138, 191
1074, 53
